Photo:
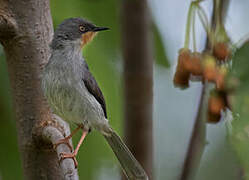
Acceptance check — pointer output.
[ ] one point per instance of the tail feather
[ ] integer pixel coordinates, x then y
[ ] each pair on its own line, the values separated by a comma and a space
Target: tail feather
133, 170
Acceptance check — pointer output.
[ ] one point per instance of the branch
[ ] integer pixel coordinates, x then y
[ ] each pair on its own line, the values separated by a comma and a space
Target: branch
25, 33
197, 141
52, 134
198, 137
8, 26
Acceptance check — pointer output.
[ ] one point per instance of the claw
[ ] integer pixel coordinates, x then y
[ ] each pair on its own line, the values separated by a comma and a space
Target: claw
66, 139
69, 155
63, 141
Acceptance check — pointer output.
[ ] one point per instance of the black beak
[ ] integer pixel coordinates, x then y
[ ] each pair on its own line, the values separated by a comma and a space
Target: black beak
96, 29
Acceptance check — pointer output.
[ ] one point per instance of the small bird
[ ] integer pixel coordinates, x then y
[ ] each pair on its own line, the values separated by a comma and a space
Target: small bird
73, 93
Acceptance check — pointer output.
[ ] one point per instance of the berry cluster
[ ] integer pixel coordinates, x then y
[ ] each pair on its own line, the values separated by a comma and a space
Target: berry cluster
209, 66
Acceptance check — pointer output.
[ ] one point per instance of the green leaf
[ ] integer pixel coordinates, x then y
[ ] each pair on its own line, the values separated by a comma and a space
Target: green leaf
241, 63
240, 106
160, 54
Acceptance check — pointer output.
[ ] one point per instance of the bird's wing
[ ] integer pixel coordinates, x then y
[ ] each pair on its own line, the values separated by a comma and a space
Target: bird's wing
93, 88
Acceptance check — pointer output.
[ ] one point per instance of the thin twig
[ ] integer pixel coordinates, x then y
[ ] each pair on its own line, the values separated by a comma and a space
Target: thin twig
197, 143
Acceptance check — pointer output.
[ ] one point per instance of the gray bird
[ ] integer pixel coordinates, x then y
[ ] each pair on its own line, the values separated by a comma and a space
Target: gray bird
74, 94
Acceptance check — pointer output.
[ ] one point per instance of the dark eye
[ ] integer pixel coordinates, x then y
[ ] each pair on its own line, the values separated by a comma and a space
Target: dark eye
82, 28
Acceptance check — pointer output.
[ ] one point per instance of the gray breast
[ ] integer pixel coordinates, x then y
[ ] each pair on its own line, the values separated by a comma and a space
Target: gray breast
62, 83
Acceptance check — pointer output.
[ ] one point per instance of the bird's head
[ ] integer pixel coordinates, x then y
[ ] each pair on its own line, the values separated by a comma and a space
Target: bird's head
75, 30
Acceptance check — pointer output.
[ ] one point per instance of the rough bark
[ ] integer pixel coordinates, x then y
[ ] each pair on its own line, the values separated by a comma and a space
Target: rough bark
138, 81
25, 33
198, 137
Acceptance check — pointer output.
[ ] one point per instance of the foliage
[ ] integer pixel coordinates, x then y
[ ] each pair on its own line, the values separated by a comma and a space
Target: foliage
8, 145
238, 77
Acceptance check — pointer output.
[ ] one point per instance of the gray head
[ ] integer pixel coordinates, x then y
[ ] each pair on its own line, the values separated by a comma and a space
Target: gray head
74, 29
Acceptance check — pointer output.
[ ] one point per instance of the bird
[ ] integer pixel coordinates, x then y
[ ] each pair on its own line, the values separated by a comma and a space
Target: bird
73, 93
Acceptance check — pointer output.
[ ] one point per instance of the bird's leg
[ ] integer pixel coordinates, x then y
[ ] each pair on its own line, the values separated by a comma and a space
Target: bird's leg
66, 139
73, 155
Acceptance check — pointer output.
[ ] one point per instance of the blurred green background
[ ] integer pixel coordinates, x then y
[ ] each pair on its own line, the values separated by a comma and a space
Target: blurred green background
104, 59
174, 110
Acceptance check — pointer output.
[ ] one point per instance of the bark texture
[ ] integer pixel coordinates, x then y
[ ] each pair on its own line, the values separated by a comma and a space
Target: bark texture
138, 81
25, 33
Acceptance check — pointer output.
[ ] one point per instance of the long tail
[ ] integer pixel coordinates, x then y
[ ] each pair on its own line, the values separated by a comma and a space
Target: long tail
133, 170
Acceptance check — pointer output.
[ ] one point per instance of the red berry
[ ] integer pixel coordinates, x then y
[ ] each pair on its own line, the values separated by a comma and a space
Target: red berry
221, 51
181, 78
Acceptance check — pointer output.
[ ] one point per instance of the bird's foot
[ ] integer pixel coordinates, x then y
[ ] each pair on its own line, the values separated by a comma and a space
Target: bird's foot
69, 155
64, 141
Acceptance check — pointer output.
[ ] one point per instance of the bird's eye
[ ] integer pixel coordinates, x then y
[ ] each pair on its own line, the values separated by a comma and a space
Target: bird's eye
82, 28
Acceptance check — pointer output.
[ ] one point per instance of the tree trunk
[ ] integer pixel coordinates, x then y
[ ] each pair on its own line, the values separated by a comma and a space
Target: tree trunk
25, 33
138, 81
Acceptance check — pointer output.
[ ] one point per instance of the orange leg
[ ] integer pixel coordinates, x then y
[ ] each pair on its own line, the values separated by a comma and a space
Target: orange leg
66, 139
73, 155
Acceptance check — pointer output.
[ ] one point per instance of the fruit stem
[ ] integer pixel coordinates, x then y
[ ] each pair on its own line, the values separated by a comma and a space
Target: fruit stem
204, 20
193, 31
188, 25
218, 13
219, 31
